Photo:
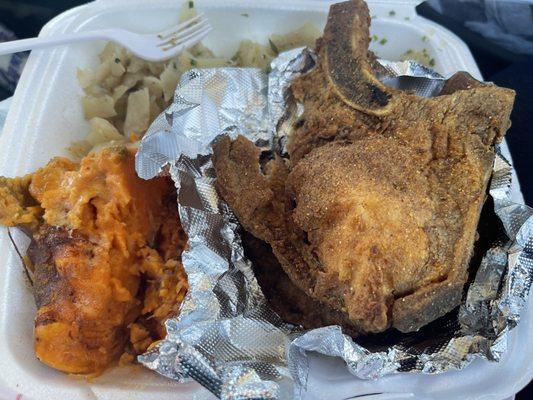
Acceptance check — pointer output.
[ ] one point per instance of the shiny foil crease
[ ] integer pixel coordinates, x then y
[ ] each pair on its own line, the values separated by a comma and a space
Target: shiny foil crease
226, 337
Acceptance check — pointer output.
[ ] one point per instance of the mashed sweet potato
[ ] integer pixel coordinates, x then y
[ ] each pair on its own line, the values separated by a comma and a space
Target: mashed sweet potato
106, 252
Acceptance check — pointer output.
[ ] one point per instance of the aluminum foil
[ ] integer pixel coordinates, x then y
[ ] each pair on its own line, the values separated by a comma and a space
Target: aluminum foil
226, 336
409, 75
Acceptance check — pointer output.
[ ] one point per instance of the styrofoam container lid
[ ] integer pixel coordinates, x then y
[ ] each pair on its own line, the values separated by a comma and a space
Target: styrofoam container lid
46, 115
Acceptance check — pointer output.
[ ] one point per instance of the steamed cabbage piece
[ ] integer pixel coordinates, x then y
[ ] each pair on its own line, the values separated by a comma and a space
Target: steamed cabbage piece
124, 94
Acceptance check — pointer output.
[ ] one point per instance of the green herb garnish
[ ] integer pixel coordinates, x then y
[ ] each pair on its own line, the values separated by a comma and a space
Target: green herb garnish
425, 38
432, 62
191, 4
117, 60
245, 15
407, 18
193, 63
392, 13
383, 41
375, 38
273, 46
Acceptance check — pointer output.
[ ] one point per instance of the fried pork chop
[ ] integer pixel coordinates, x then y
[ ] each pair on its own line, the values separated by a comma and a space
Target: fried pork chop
374, 214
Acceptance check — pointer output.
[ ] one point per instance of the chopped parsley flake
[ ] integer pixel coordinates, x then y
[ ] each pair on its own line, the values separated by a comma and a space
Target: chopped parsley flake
245, 15
392, 13
193, 63
407, 18
375, 38
273, 47
420, 56
117, 60
425, 38
383, 41
191, 4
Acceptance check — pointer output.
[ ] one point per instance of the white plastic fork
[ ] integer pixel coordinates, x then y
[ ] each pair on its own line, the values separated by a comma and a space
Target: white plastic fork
152, 47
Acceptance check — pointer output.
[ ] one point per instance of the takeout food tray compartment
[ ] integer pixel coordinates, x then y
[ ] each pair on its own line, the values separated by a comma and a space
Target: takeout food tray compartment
46, 115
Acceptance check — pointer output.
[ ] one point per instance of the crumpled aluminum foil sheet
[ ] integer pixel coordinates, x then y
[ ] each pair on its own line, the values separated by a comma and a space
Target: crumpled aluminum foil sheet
409, 75
226, 336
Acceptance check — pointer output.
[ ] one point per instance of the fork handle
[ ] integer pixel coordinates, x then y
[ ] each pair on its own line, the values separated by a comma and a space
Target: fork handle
16, 46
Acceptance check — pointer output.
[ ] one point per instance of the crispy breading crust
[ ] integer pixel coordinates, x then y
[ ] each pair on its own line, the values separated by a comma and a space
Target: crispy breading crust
377, 216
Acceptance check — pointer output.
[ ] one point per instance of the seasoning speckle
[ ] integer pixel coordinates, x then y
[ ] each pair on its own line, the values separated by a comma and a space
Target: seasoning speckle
392, 13
191, 4
383, 41
245, 15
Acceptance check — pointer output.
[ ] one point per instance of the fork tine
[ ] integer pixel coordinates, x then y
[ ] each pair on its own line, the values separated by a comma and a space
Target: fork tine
189, 40
195, 39
184, 33
177, 28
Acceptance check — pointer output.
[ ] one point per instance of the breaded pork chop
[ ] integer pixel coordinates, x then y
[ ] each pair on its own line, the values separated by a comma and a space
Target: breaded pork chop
375, 212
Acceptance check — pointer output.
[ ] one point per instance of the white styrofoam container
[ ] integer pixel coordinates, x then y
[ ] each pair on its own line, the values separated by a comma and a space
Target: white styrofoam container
46, 115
